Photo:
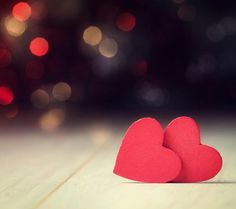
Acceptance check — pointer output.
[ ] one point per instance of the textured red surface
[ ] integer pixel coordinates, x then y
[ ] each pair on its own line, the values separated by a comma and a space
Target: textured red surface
142, 156
199, 162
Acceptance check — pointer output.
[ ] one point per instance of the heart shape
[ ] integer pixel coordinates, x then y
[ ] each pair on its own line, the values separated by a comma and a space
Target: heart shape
199, 162
142, 156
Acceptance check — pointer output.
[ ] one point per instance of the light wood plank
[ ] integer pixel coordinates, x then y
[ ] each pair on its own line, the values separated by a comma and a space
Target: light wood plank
33, 166
96, 187
71, 171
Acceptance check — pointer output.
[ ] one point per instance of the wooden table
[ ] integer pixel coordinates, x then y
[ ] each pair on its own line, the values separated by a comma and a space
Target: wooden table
73, 170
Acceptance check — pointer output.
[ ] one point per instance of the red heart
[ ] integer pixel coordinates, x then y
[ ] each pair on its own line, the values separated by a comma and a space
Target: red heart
142, 156
199, 162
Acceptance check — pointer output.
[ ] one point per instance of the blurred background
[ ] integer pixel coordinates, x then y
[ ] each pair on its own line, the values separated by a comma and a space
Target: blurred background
65, 61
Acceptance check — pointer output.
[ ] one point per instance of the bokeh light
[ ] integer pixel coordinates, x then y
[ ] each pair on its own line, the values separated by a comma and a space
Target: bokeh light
14, 27
215, 33
228, 24
108, 48
21, 11
34, 70
5, 58
73, 53
197, 71
126, 21
11, 112
52, 119
40, 98
152, 96
39, 46
141, 67
187, 13
218, 31
39, 10
100, 135
103, 67
63, 11
92, 35
61, 91
6, 95
178, 1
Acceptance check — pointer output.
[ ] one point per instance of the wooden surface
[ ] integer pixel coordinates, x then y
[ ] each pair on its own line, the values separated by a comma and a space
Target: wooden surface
74, 171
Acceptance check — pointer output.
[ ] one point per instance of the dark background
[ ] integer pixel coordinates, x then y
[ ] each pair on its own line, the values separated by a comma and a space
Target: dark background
180, 57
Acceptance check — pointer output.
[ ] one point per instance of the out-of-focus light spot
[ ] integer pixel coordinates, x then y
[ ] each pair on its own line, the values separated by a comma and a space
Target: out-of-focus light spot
34, 70
178, 1
187, 13
100, 135
228, 24
197, 71
61, 91
40, 98
6, 95
21, 11
64, 10
92, 35
141, 67
52, 119
39, 10
215, 33
104, 67
14, 27
11, 112
126, 22
108, 48
5, 58
39, 46
152, 96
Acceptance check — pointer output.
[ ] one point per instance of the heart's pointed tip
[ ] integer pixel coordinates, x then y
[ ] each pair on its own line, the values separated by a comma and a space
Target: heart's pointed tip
115, 172
115, 169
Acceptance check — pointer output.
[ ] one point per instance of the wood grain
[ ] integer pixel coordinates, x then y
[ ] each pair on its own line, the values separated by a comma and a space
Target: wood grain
70, 171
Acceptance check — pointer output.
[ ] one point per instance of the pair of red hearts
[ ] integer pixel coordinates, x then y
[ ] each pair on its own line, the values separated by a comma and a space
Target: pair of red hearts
147, 154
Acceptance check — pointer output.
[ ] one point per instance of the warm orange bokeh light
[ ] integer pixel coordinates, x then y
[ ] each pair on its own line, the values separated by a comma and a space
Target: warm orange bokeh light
21, 11
6, 95
39, 46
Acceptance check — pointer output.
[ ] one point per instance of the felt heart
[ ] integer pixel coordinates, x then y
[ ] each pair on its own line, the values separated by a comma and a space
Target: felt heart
142, 156
199, 162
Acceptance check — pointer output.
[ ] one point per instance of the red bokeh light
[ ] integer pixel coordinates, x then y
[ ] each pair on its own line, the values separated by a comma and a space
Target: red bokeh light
5, 57
39, 46
39, 10
126, 22
141, 67
21, 11
10, 112
6, 95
